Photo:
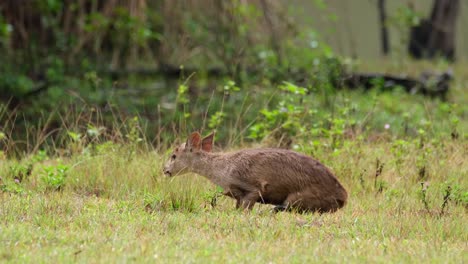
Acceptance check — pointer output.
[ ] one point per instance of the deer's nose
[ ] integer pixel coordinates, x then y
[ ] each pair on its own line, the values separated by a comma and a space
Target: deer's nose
167, 172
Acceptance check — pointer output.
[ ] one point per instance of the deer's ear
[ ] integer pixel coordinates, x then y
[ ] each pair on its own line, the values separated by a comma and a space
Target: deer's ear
207, 142
194, 141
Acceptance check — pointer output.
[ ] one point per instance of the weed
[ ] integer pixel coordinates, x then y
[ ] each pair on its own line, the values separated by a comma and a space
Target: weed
54, 176
182, 202
447, 194
423, 153
379, 185
399, 150
154, 202
133, 136
40, 156
77, 144
93, 133
213, 195
283, 121
423, 192
216, 119
458, 195
20, 172
336, 132
454, 121
406, 123
361, 178
182, 94
12, 187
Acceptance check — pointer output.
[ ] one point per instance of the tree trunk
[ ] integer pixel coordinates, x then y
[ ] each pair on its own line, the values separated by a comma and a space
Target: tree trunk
435, 36
383, 27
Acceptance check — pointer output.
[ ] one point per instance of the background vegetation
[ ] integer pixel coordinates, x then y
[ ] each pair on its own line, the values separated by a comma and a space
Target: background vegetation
95, 93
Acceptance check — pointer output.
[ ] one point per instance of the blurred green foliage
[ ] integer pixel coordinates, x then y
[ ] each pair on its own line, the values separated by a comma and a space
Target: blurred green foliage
70, 76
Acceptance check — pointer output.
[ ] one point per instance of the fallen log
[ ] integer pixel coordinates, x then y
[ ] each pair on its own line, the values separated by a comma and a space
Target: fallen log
430, 84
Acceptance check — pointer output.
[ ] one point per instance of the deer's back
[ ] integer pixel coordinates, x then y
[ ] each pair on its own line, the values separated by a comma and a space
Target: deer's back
279, 172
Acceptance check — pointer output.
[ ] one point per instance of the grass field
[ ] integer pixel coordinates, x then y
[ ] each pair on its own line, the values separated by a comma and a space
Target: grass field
115, 210
110, 203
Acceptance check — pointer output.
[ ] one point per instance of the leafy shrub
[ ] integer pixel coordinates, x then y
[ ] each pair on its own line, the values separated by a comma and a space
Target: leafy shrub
285, 118
54, 176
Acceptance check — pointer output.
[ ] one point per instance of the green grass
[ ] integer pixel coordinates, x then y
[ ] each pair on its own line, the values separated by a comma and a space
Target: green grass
106, 200
116, 209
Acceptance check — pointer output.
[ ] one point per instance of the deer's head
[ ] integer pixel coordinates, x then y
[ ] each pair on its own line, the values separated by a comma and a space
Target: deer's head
185, 156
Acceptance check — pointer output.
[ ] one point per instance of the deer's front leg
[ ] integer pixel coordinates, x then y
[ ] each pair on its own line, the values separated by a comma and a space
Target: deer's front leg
236, 193
245, 199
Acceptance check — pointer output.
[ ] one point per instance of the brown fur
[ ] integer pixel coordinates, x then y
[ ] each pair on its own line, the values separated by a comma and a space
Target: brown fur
280, 177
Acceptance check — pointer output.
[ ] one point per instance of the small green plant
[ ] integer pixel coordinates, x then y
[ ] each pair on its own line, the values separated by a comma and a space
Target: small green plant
423, 196
93, 133
20, 172
182, 94
154, 202
213, 195
458, 195
93, 79
423, 152
54, 176
378, 84
336, 132
285, 120
182, 201
40, 156
399, 150
361, 179
450, 110
216, 119
133, 136
182, 112
406, 122
3, 138
229, 87
76, 144
447, 195
423, 132
379, 185
454, 124
12, 187
107, 147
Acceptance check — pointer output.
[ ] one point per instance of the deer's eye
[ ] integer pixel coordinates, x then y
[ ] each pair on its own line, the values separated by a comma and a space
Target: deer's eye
173, 157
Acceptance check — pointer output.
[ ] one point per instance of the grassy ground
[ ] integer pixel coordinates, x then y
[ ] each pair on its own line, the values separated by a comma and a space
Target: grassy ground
115, 209
103, 202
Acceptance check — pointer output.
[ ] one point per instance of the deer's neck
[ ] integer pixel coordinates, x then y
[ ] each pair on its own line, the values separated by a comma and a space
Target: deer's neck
212, 166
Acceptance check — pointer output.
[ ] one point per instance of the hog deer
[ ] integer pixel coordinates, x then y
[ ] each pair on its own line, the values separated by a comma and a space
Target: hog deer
284, 178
